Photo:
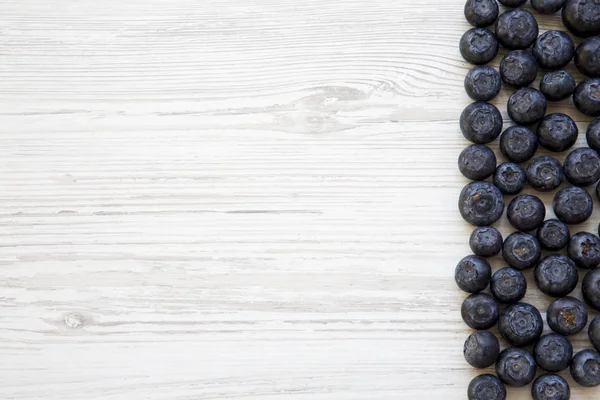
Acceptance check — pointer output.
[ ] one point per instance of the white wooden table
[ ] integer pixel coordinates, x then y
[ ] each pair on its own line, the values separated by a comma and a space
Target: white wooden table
234, 199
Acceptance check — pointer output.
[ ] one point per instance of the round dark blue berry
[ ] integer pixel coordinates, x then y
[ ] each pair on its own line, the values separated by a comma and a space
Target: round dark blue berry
567, 316
550, 387
585, 368
481, 122
516, 29
587, 57
553, 49
547, 6
480, 311
518, 68
481, 13
526, 212
556, 275
572, 205
486, 387
472, 274
516, 367
521, 250
557, 85
483, 83
477, 162
526, 106
486, 241
582, 17
508, 285
582, 167
520, 324
481, 349
557, 132
544, 173
553, 235
590, 288
584, 249
594, 332
510, 178
478, 46
553, 352
481, 203
592, 135
587, 97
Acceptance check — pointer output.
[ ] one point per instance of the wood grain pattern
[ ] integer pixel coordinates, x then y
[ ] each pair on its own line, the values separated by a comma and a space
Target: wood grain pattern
227, 199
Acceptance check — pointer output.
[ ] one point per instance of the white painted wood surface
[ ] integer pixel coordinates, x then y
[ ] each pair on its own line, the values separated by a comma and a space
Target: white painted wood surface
233, 200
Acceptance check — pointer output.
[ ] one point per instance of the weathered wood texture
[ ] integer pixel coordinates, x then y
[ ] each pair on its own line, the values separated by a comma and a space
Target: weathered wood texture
233, 199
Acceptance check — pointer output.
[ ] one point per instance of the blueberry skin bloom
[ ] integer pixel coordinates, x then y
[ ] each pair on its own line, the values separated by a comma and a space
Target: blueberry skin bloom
481, 349
594, 332
586, 97
481, 203
556, 275
510, 178
472, 274
519, 143
553, 49
481, 122
486, 241
526, 106
480, 311
557, 132
584, 249
582, 167
567, 316
526, 212
544, 173
572, 205
516, 367
553, 352
518, 69
582, 17
516, 29
477, 162
587, 57
508, 285
483, 83
592, 135
486, 387
553, 235
550, 387
557, 85
480, 13
520, 324
590, 288
521, 250
478, 46
585, 368
547, 6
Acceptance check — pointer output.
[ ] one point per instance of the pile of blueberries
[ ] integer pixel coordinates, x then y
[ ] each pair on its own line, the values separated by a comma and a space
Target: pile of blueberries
481, 202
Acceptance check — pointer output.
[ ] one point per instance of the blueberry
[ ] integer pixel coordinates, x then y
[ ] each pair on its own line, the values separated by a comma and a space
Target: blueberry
594, 332
486, 387
510, 178
585, 368
480, 311
516, 367
483, 83
478, 46
477, 162
557, 132
572, 205
584, 249
553, 49
516, 29
566, 316
582, 17
518, 143
513, 3
544, 173
557, 85
587, 97
553, 352
481, 122
526, 106
481, 13
550, 387
486, 241
520, 324
481, 349
590, 288
521, 250
582, 167
547, 6
553, 235
592, 134
472, 274
587, 57
481, 203
556, 275
518, 68
526, 212
508, 285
